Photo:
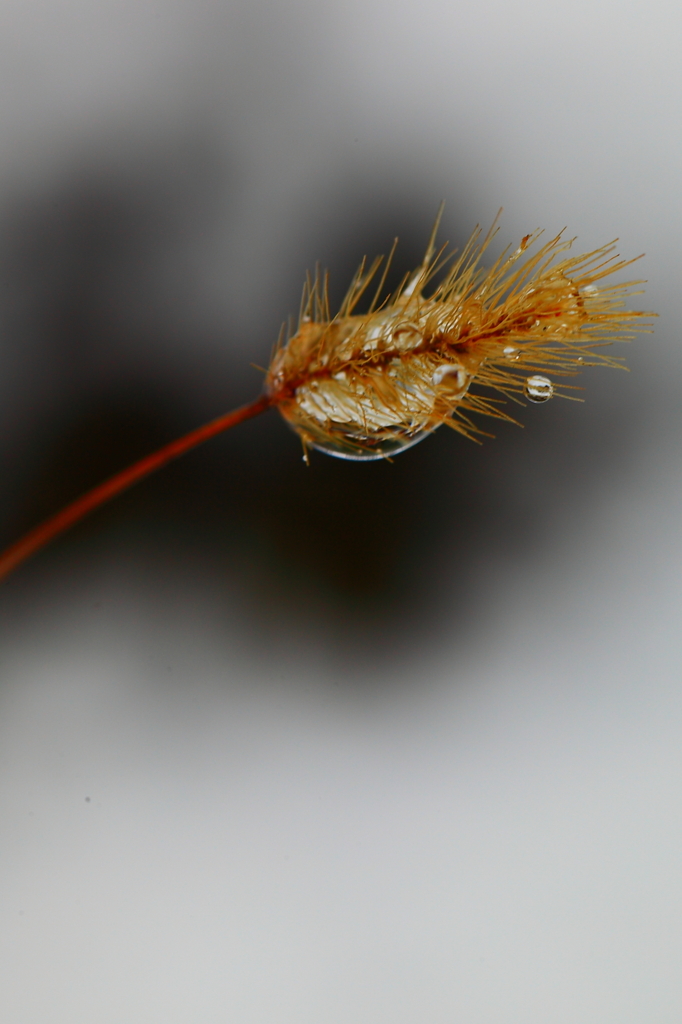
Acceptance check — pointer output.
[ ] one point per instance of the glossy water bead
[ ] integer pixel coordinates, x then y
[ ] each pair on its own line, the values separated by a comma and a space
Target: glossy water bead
538, 389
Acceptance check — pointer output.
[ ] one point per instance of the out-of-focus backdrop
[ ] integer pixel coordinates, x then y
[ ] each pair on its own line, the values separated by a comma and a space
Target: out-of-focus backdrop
354, 743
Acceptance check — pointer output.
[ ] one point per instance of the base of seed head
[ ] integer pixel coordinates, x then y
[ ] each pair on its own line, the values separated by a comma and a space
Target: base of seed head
367, 385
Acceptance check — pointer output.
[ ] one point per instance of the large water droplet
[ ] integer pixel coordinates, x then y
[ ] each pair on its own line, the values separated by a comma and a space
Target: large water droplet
538, 389
348, 423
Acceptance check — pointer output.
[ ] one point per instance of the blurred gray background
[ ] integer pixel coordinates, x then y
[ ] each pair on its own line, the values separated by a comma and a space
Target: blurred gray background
354, 743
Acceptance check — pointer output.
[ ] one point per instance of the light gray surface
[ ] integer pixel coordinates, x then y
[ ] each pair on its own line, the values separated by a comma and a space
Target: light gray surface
349, 744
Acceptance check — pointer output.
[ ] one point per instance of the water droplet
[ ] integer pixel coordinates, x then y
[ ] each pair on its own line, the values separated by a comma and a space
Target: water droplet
450, 370
590, 289
538, 389
511, 352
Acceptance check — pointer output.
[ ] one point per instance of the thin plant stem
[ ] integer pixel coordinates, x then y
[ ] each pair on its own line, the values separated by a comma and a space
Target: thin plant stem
41, 535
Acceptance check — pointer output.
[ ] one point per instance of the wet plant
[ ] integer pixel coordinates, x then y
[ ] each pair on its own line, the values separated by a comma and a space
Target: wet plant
453, 343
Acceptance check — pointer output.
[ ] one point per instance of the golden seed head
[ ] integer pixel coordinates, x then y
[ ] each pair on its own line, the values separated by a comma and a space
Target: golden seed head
365, 386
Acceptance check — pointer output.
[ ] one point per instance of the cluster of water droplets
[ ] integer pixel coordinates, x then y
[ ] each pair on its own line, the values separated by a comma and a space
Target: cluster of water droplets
537, 388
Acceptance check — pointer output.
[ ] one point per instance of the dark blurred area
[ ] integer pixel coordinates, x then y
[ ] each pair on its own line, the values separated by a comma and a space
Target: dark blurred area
105, 366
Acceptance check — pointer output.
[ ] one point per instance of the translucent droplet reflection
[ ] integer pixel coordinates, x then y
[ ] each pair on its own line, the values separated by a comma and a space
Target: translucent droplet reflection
454, 370
538, 389
361, 448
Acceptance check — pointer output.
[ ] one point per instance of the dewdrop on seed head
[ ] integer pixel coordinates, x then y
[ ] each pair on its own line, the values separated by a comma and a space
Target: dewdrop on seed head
538, 389
369, 385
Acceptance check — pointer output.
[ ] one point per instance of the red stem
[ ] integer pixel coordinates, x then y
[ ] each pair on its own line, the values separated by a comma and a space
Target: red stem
37, 538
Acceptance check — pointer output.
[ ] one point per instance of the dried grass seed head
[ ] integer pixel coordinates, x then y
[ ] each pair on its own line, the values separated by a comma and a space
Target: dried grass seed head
369, 385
